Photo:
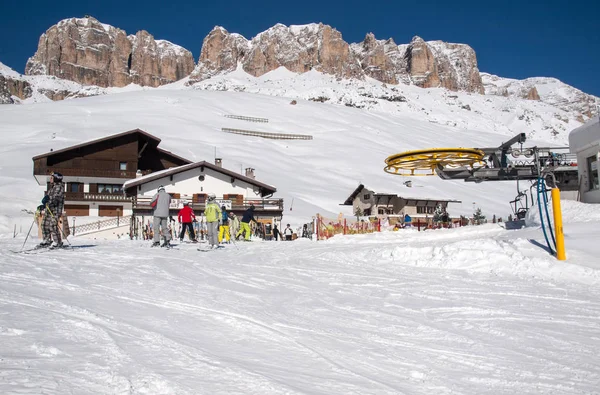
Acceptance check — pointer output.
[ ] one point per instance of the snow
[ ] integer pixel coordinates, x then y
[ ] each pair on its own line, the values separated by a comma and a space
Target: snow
311, 28
168, 48
7, 71
472, 310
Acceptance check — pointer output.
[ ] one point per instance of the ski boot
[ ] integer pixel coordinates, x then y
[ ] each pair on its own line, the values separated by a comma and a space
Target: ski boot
43, 244
155, 244
166, 244
55, 246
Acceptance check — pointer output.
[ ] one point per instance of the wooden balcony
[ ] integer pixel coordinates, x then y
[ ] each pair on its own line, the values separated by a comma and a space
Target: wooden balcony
102, 197
71, 172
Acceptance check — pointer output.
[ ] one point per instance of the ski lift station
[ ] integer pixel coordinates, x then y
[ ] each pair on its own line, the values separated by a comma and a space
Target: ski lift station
585, 143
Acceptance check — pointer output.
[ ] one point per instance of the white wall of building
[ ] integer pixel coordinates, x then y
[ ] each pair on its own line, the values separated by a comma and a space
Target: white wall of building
585, 142
187, 183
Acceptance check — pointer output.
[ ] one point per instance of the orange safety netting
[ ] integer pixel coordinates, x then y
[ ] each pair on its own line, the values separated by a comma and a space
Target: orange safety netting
329, 227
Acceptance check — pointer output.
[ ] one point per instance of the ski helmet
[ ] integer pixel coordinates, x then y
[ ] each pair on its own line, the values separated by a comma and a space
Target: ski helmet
57, 176
223, 207
211, 196
185, 202
161, 188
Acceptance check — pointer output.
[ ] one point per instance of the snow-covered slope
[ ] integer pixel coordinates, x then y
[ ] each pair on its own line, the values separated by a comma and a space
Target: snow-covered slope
459, 110
473, 310
349, 145
551, 91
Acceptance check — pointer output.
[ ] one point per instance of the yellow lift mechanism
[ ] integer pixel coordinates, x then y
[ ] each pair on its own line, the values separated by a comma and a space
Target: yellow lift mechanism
424, 162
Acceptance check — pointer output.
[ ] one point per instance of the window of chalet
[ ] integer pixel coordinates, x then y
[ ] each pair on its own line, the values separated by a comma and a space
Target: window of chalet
425, 210
367, 196
123, 166
385, 210
74, 187
110, 188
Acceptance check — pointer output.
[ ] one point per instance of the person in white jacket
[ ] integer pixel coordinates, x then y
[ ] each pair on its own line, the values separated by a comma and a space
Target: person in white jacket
288, 232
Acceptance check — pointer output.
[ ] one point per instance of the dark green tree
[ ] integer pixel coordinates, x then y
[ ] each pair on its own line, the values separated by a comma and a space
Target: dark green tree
478, 217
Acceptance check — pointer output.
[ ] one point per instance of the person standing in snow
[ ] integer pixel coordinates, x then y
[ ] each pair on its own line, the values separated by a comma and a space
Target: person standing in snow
288, 232
276, 233
245, 224
53, 203
185, 217
224, 228
160, 204
234, 224
213, 214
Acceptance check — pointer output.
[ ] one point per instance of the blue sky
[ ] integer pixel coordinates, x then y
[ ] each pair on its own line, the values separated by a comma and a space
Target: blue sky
515, 39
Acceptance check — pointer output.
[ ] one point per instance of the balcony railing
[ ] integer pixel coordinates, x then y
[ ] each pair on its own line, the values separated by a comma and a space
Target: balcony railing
143, 203
71, 172
85, 196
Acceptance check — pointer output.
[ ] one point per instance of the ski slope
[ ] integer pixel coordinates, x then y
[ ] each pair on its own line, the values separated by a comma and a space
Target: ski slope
475, 310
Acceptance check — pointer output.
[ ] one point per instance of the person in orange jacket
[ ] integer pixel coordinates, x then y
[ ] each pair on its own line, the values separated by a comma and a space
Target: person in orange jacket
185, 217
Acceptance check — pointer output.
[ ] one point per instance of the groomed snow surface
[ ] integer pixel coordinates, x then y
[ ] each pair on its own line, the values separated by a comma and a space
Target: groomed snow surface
473, 310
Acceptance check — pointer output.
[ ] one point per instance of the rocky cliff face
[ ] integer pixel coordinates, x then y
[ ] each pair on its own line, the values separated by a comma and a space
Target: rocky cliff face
320, 47
297, 48
12, 86
92, 53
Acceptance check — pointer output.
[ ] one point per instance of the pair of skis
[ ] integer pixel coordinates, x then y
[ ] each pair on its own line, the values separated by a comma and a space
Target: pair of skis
39, 250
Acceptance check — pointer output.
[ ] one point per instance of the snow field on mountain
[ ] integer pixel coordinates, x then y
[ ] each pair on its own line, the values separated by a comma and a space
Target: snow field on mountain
469, 310
349, 146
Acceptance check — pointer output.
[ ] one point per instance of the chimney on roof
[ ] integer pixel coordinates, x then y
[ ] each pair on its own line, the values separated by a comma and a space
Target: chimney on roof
250, 173
218, 162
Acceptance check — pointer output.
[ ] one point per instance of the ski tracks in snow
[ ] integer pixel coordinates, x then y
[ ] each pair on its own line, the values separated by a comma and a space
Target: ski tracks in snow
415, 314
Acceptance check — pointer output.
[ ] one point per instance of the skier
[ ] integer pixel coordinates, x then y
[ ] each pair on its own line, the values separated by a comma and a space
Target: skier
185, 217
160, 203
224, 228
276, 232
212, 213
234, 224
288, 232
245, 224
53, 203
407, 221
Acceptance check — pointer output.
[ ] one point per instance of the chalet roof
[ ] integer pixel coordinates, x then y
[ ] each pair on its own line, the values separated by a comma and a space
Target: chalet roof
350, 200
353, 195
150, 138
265, 189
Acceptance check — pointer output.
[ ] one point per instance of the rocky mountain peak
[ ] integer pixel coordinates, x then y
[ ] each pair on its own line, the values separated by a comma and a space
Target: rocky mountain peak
89, 52
299, 48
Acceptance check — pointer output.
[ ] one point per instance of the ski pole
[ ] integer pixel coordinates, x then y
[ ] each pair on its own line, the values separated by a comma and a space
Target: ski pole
26, 237
59, 228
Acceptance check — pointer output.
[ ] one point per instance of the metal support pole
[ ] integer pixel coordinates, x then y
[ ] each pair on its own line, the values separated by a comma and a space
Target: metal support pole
558, 226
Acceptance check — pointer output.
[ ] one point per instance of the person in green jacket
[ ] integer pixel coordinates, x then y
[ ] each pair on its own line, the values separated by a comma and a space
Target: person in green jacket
212, 212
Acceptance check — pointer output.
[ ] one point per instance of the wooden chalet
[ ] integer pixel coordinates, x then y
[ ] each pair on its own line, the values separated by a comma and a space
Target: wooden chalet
193, 182
370, 203
94, 172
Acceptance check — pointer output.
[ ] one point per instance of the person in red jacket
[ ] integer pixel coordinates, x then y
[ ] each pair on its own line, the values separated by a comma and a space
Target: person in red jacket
185, 217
